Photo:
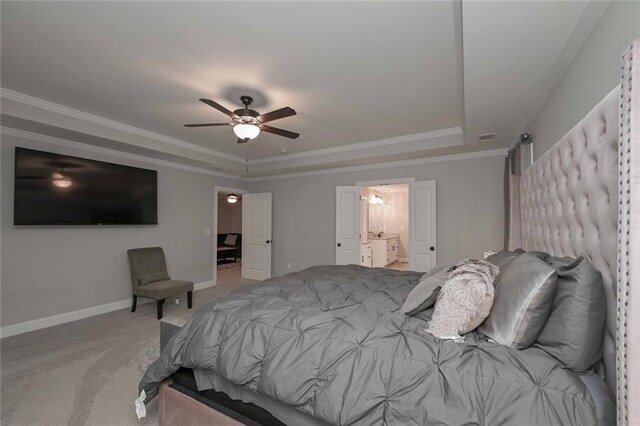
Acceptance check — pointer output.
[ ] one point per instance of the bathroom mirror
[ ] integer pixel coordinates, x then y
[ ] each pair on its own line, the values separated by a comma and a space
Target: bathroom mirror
375, 218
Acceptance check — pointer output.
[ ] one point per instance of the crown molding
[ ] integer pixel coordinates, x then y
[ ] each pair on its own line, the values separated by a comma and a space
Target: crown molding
112, 152
141, 158
329, 158
95, 119
417, 161
326, 157
416, 137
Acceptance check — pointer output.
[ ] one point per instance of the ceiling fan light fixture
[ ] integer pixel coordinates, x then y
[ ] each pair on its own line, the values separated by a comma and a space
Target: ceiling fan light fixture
232, 198
248, 123
246, 131
376, 199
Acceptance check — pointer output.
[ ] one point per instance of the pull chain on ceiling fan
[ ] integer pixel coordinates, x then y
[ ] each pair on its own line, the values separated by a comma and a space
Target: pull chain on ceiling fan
247, 123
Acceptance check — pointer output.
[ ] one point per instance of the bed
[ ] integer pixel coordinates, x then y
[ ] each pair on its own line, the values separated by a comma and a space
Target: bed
327, 345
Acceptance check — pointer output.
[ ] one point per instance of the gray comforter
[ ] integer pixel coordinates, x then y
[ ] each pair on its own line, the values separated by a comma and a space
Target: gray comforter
330, 341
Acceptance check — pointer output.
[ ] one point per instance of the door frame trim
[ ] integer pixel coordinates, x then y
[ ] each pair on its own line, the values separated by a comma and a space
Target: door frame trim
408, 180
214, 234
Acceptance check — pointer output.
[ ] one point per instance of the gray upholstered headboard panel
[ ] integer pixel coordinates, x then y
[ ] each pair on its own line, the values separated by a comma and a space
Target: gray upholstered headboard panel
569, 204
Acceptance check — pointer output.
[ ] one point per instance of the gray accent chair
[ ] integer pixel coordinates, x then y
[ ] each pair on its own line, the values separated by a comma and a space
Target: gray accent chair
149, 278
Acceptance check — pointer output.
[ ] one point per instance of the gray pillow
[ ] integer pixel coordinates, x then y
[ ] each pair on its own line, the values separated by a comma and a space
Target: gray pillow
423, 295
574, 329
502, 258
523, 301
153, 277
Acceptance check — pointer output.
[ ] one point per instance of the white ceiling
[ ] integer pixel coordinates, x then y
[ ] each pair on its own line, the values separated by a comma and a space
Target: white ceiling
510, 51
356, 72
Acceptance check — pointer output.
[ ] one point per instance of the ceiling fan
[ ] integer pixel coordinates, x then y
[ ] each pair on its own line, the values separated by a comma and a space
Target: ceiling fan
247, 123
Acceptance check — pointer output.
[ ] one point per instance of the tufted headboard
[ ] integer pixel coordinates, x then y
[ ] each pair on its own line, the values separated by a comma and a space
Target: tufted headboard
583, 197
569, 204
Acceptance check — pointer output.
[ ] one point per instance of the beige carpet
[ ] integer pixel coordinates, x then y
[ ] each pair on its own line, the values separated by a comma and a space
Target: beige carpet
87, 372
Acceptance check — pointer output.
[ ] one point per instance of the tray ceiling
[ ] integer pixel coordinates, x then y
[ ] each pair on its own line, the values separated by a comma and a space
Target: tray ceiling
387, 72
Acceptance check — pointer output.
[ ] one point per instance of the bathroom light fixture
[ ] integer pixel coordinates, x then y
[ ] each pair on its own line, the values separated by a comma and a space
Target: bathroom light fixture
246, 131
376, 199
232, 198
61, 181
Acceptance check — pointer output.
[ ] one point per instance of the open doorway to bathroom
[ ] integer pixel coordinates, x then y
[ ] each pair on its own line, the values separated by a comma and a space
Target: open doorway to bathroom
385, 226
228, 235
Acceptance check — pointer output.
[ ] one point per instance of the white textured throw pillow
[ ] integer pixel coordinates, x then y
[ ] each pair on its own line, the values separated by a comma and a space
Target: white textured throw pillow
465, 299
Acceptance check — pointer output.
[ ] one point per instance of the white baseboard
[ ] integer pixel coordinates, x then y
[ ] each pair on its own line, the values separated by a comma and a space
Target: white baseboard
37, 324
203, 285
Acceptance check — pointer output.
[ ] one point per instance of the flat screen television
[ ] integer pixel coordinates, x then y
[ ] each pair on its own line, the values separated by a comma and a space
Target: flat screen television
53, 189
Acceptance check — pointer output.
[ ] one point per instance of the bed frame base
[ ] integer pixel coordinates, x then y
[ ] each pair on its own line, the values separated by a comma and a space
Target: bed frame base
177, 408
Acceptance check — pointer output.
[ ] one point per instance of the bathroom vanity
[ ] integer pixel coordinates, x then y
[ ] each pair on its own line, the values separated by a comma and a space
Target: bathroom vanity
384, 250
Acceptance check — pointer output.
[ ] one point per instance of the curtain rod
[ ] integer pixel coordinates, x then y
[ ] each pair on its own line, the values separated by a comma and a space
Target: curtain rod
527, 139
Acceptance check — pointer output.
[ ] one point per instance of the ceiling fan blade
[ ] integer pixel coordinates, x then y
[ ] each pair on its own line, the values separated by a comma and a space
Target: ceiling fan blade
219, 107
280, 132
207, 124
277, 114
245, 140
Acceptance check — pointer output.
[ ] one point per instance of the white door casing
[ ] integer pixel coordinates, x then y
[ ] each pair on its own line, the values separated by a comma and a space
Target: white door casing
422, 226
347, 225
256, 236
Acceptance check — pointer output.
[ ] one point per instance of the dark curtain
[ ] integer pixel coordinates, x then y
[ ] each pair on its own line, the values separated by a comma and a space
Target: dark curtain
512, 193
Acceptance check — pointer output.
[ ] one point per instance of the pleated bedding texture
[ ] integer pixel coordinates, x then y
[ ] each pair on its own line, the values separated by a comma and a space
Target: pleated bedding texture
332, 342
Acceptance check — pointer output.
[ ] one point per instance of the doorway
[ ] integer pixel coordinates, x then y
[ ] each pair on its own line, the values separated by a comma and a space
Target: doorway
385, 226
355, 237
227, 235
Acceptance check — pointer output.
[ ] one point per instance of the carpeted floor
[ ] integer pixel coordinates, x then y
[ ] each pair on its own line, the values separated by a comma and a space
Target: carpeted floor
399, 266
87, 372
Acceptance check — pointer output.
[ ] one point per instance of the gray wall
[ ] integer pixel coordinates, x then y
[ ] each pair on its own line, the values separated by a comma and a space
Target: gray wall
469, 210
594, 73
229, 216
56, 269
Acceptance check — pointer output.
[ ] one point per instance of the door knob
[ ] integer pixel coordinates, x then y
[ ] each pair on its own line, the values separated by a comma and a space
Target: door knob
268, 241
432, 248
339, 245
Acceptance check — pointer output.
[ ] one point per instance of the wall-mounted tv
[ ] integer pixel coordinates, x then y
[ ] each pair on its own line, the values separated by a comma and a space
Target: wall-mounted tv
53, 189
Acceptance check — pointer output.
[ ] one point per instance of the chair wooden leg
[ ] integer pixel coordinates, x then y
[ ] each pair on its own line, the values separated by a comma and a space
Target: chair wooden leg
189, 299
133, 303
159, 307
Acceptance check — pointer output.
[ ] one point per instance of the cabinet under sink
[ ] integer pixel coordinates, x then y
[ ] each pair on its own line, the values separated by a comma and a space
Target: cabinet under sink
365, 254
384, 251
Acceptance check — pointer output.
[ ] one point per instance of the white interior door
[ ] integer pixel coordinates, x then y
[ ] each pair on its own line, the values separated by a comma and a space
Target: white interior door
422, 226
347, 225
256, 236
